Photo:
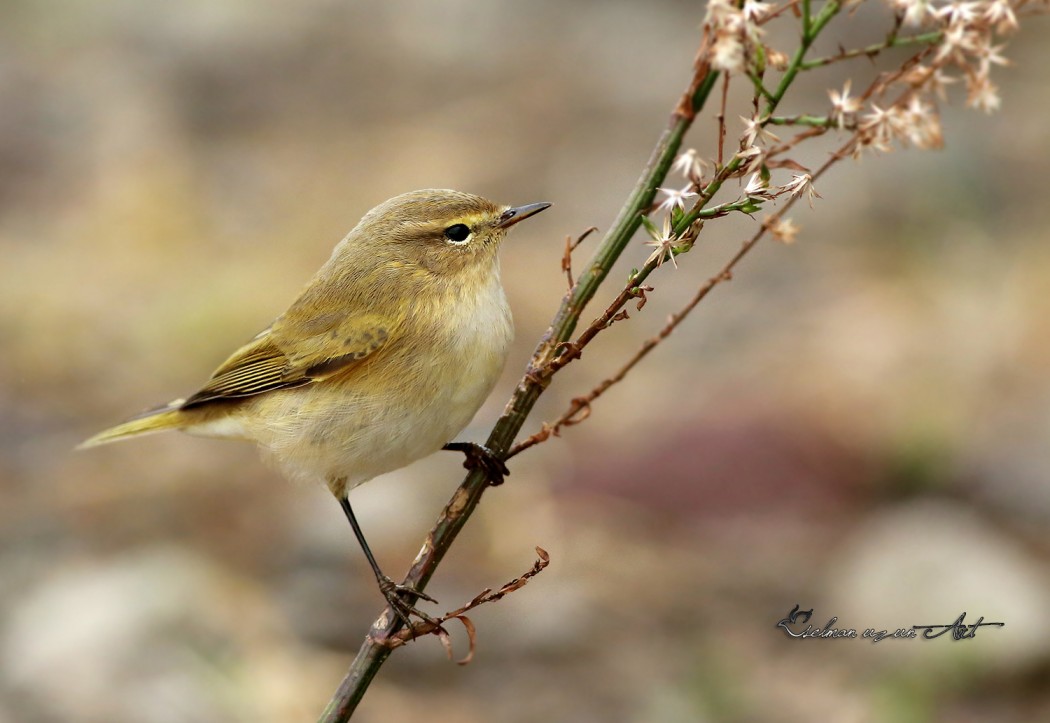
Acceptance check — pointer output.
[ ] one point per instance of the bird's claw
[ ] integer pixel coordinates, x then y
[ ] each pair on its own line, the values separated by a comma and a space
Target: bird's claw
401, 607
481, 457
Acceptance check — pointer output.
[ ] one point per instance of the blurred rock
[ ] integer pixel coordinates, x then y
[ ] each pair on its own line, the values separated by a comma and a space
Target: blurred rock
925, 564
181, 639
1008, 460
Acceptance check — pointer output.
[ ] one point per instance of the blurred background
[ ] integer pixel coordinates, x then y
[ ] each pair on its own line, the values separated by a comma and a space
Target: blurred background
857, 424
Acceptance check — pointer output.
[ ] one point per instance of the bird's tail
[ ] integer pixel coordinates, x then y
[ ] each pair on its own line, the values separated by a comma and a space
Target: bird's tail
156, 420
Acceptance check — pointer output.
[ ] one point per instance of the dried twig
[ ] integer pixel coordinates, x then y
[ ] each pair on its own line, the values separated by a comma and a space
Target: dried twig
570, 246
374, 652
732, 44
580, 407
436, 627
722, 120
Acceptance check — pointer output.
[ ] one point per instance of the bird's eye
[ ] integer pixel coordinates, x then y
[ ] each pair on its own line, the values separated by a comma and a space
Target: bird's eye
458, 233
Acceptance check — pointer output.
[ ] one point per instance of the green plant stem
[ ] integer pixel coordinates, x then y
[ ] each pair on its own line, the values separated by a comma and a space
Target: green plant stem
760, 89
747, 205
698, 212
816, 121
811, 28
876, 48
549, 355
374, 652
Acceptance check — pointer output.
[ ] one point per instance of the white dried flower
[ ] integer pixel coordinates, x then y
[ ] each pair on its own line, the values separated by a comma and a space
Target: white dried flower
758, 187
932, 80
958, 40
983, 94
880, 127
783, 230
690, 165
676, 197
664, 243
721, 14
1001, 14
802, 183
776, 59
728, 53
735, 32
754, 10
922, 125
843, 107
754, 130
988, 55
754, 156
963, 13
915, 11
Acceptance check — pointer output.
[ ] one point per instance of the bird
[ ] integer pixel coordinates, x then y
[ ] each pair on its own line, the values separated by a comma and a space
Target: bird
384, 357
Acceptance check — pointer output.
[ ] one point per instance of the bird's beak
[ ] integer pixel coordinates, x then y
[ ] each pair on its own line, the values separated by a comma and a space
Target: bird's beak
512, 215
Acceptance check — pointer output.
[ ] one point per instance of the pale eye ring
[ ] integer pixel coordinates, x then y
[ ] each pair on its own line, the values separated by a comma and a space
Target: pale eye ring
458, 234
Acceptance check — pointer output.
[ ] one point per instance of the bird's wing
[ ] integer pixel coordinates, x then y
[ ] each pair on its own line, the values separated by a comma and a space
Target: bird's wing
289, 355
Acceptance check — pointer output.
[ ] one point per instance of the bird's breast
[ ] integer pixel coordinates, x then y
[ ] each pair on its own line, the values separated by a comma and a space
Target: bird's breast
404, 404
477, 342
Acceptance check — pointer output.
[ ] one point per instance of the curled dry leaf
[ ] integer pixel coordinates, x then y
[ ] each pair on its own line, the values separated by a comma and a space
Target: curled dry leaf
581, 409
640, 293
472, 639
472, 636
436, 627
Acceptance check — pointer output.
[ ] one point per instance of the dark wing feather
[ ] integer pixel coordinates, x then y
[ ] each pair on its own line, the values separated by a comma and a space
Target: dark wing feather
253, 369
272, 361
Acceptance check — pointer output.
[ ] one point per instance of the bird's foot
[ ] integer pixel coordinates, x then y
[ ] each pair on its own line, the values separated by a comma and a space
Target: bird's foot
481, 457
401, 607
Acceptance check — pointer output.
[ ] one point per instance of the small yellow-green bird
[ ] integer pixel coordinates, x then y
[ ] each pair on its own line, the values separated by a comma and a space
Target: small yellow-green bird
385, 356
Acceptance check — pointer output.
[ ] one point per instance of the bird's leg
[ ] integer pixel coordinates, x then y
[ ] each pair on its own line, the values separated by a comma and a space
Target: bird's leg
393, 592
483, 458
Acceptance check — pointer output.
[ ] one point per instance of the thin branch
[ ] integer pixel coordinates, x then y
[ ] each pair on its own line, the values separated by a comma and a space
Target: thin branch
453, 517
436, 627
760, 90
580, 407
558, 346
570, 246
566, 351
812, 26
722, 118
874, 49
801, 120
